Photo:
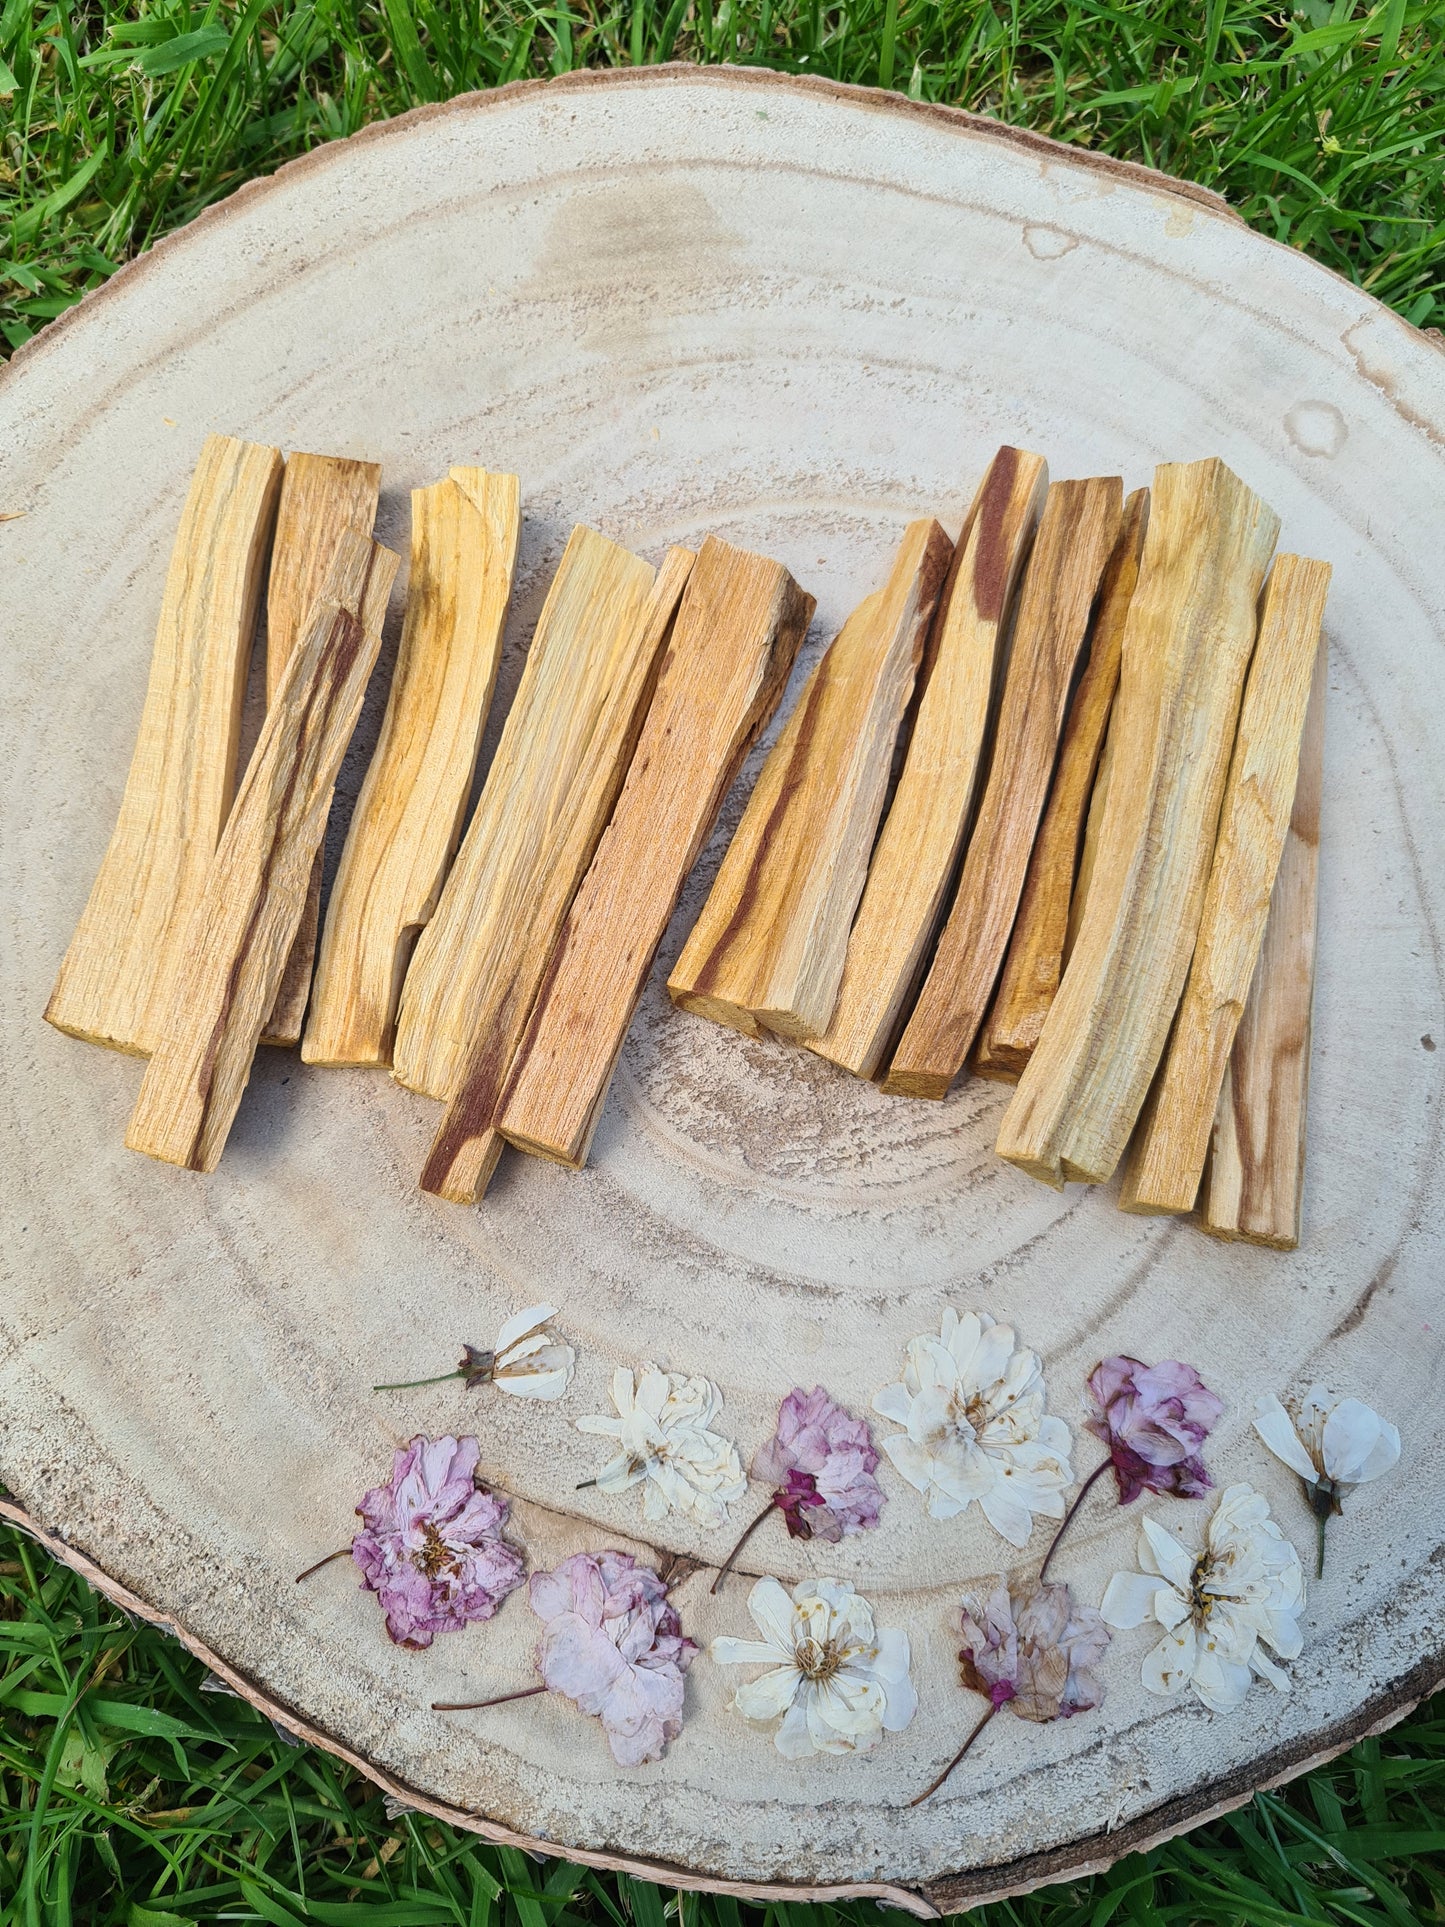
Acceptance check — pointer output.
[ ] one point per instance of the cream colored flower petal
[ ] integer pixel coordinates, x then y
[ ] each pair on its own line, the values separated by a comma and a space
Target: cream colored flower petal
1266, 1668
608, 1428
894, 1402
1008, 1515
770, 1695
793, 1738
1174, 1562
727, 1651
1169, 1667
990, 1360
1275, 1426
1221, 1683
542, 1373
891, 1668
1358, 1444
913, 1461
844, 1715
771, 1611
620, 1473
1129, 1600
522, 1324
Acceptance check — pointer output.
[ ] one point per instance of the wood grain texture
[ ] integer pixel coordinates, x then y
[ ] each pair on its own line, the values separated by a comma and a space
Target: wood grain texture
543, 805
769, 948
737, 632
467, 1145
408, 817
916, 857
1077, 531
1166, 1160
245, 921
320, 496
1034, 965
1187, 643
117, 976
1254, 1184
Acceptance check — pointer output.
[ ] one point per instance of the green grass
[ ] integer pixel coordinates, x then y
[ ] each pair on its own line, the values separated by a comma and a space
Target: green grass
127, 1794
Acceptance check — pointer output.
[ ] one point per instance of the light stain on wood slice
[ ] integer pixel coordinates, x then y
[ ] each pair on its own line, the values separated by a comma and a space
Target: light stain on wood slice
769, 947
117, 977
1034, 965
408, 817
1254, 1185
245, 922
737, 632
1077, 530
543, 805
1166, 1160
468, 1145
1187, 643
320, 496
917, 853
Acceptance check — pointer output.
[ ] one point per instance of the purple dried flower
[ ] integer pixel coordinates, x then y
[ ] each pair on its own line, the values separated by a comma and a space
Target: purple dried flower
1035, 1651
1153, 1418
431, 1544
821, 1462
613, 1643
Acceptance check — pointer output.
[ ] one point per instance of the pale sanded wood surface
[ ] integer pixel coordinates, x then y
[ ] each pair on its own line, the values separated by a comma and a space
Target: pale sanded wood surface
1035, 962
769, 947
1077, 530
1166, 1159
1254, 1185
650, 302
1187, 643
467, 1146
738, 627
551, 784
320, 496
117, 977
244, 924
929, 818
408, 818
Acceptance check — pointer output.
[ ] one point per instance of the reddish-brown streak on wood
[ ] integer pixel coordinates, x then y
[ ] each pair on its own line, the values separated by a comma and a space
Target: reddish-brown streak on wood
990, 579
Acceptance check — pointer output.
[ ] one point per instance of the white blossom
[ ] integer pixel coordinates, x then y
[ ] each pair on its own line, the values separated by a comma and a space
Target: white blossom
836, 1682
972, 1406
529, 1361
1332, 1444
665, 1437
1219, 1609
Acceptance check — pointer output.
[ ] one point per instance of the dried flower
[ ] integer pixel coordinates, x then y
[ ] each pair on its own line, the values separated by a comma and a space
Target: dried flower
973, 1408
663, 1429
527, 1361
1332, 1444
613, 1644
1244, 1592
1153, 1418
837, 1683
431, 1544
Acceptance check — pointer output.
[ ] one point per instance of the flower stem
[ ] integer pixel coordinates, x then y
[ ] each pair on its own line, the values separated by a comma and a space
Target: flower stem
934, 1785
584, 1485
1068, 1518
411, 1384
1323, 1521
341, 1552
475, 1706
748, 1531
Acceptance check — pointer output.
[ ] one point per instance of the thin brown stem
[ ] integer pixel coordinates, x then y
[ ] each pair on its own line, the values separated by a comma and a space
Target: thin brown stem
475, 1706
341, 1552
748, 1532
934, 1785
1068, 1518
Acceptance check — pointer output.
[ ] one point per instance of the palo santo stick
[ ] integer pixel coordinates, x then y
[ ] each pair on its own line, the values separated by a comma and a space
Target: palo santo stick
115, 982
1077, 531
1171, 1144
1255, 1178
320, 496
246, 919
468, 1144
544, 804
1035, 962
1089, 855
916, 857
408, 816
1187, 643
769, 946
737, 632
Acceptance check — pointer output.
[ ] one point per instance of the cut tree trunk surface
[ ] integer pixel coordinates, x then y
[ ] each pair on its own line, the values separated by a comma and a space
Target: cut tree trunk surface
644, 294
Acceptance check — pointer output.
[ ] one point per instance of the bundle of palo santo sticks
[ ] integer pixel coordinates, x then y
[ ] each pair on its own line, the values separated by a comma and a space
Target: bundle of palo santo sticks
1047, 806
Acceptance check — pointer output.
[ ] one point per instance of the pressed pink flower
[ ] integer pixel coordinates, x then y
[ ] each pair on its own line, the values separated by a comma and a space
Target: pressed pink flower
613, 1643
431, 1545
1035, 1651
1153, 1418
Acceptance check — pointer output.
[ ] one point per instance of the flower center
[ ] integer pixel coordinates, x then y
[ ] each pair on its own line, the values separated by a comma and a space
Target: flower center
433, 1555
817, 1658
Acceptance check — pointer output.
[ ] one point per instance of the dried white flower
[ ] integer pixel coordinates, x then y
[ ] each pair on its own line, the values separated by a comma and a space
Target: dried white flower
664, 1435
1244, 1592
973, 1409
1331, 1443
838, 1683
529, 1361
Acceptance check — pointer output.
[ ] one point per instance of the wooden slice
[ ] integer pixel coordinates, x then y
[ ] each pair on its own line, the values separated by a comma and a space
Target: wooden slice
678, 303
